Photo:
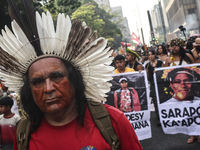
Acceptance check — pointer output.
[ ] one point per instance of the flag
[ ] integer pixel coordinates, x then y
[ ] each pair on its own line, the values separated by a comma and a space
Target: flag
135, 38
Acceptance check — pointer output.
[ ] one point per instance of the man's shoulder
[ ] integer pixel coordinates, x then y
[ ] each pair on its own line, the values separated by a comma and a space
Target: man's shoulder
1, 116
114, 112
16, 117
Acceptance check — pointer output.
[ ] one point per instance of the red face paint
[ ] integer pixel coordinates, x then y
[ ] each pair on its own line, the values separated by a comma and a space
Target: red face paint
50, 86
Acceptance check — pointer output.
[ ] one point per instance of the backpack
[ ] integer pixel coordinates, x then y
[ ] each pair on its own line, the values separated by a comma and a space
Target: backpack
99, 115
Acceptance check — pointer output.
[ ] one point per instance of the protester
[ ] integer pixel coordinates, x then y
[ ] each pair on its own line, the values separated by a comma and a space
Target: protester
8, 123
150, 68
196, 50
196, 55
179, 55
120, 65
145, 58
131, 57
58, 80
126, 98
162, 53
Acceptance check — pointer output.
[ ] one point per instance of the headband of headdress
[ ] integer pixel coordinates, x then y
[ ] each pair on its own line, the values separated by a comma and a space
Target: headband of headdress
72, 42
177, 42
132, 52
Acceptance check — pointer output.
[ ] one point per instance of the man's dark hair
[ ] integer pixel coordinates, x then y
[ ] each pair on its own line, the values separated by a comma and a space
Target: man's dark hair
6, 101
119, 57
34, 112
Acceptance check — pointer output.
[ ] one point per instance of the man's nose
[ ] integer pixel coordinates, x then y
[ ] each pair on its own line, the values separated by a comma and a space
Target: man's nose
48, 86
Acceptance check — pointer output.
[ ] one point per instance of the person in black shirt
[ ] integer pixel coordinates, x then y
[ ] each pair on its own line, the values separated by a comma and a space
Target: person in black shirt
131, 56
150, 68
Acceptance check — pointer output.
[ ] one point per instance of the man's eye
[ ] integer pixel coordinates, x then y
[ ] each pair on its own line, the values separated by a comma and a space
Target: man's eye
177, 81
37, 82
57, 78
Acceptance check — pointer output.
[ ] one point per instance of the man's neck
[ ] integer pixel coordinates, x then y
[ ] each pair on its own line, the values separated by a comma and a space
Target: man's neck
152, 61
8, 114
132, 61
121, 70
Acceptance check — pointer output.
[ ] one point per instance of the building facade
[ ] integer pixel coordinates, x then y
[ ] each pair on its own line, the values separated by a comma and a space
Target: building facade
185, 13
124, 22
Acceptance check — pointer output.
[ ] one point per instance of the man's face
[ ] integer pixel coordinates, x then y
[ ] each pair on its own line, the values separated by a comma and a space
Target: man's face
120, 64
3, 109
124, 84
130, 57
50, 86
175, 49
181, 86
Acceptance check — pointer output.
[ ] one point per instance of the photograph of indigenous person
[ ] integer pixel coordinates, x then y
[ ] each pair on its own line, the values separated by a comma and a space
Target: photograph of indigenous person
178, 96
182, 83
179, 84
126, 98
129, 89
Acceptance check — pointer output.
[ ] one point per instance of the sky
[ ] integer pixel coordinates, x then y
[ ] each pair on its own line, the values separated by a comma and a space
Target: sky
136, 13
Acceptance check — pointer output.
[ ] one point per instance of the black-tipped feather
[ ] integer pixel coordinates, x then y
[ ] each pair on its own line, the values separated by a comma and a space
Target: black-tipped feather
31, 20
29, 24
15, 15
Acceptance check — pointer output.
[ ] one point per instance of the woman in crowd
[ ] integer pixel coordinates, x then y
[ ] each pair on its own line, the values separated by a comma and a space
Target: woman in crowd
150, 67
162, 53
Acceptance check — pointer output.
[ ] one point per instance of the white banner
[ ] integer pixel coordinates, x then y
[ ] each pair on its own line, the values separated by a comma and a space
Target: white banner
129, 94
178, 97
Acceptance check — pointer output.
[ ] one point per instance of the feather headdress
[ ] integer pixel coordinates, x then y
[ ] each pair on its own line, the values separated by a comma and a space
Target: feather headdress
74, 42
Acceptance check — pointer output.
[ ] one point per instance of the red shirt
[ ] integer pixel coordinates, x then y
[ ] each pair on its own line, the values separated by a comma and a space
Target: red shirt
73, 136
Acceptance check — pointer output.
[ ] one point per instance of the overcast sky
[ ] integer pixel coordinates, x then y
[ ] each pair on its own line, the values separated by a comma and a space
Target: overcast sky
132, 9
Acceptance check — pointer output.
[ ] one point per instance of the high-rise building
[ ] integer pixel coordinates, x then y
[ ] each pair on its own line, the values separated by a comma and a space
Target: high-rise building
185, 13
124, 24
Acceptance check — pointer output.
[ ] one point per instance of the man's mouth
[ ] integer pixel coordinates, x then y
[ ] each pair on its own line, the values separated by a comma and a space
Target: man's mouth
51, 100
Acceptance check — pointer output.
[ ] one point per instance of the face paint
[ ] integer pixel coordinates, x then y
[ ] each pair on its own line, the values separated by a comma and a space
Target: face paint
51, 89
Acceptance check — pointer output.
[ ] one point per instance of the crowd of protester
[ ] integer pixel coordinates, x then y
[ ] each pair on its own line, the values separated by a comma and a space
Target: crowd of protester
176, 52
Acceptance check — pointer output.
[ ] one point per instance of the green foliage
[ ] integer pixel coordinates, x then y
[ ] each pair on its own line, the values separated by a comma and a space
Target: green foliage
99, 20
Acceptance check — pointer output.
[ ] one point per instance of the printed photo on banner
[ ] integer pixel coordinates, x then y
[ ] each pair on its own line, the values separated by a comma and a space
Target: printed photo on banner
178, 97
129, 94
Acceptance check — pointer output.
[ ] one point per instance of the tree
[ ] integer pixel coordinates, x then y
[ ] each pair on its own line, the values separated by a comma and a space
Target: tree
59, 6
99, 20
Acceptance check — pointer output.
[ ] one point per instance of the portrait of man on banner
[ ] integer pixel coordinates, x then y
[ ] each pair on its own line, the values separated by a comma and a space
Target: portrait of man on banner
179, 84
178, 97
126, 98
128, 92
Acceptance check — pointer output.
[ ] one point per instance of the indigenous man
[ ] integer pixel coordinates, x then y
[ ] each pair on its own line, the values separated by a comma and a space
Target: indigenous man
126, 98
131, 57
58, 73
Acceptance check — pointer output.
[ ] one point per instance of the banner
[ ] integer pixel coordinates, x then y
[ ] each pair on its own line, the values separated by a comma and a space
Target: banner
129, 94
178, 97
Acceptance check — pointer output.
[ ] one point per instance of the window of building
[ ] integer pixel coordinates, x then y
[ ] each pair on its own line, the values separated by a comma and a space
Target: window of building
191, 11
